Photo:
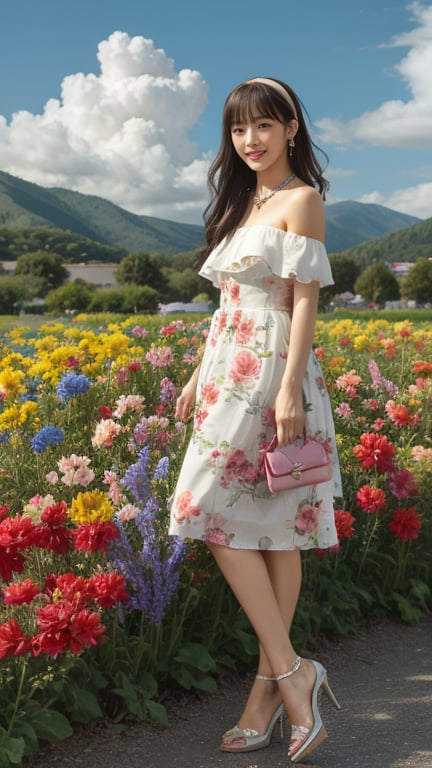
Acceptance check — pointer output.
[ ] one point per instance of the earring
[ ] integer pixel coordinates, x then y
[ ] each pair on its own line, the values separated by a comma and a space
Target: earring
291, 145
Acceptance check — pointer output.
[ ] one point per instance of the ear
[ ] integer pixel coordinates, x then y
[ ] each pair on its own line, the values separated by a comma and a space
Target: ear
291, 129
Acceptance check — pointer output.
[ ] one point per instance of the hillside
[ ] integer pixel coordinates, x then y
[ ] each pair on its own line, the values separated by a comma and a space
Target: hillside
24, 204
350, 223
408, 245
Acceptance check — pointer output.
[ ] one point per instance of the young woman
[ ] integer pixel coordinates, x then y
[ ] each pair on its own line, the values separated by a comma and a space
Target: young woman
258, 374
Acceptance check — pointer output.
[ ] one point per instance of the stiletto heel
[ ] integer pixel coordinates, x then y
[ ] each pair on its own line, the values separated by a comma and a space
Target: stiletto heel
248, 739
329, 693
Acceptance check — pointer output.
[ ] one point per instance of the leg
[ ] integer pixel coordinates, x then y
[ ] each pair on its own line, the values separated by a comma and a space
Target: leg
284, 570
248, 576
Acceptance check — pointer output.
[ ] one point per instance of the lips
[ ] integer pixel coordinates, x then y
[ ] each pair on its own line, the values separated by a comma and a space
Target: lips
255, 155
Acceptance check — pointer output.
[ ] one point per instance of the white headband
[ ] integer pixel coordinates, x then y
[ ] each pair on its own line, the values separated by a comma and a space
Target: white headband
278, 87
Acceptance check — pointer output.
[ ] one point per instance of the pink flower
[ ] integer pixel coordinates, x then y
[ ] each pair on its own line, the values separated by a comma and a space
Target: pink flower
125, 402
420, 453
245, 368
344, 410
402, 483
307, 519
184, 507
52, 478
105, 432
128, 512
76, 470
159, 357
244, 331
114, 493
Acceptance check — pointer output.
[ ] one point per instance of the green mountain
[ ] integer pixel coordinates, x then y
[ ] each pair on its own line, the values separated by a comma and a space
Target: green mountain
350, 223
24, 204
407, 245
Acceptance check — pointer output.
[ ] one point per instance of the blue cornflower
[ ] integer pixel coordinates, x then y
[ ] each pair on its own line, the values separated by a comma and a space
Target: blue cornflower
45, 437
72, 385
5, 435
162, 468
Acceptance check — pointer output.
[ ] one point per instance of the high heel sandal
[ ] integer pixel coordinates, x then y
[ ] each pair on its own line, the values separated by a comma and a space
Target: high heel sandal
248, 739
310, 738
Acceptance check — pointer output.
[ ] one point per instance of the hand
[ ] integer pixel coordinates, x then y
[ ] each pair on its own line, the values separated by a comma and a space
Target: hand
289, 416
186, 400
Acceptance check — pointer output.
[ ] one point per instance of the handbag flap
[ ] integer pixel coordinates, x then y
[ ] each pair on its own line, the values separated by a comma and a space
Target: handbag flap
283, 461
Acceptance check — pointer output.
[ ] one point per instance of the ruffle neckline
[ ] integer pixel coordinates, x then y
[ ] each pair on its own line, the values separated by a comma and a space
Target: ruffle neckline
285, 254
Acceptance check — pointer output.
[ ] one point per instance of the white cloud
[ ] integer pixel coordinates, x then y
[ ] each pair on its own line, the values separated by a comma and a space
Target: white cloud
397, 123
416, 201
122, 134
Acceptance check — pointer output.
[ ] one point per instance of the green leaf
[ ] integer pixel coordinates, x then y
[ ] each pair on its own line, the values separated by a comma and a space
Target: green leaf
157, 712
24, 729
205, 683
85, 706
197, 656
14, 749
50, 725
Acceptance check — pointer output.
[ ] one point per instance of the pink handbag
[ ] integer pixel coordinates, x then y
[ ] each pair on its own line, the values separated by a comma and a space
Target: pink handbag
297, 464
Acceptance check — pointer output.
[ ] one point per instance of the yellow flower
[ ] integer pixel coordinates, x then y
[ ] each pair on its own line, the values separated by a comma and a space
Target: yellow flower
17, 415
361, 342
91, 507
11, 382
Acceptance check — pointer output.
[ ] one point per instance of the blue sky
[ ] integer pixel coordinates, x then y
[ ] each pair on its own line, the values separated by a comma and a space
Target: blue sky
139, 122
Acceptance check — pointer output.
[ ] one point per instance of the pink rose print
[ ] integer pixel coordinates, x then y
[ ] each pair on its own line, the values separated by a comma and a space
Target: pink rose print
184, 508
237, 467
307, 519
233, 291
244, 331
216, 536
245, 368
210, 393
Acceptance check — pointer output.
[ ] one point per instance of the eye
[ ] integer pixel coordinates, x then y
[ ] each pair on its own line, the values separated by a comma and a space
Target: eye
237, 130
264, 125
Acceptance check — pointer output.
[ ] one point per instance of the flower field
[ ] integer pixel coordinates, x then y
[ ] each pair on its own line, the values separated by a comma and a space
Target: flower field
101, 611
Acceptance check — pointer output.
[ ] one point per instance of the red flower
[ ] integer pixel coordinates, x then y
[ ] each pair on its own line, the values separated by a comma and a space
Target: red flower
421, 366
73, 588
16, 532
344, 521
85, 629
135, 366
402, 483
104, 412
397, 413
10, 562
375, 451
21, 592
12, 640
371, 499
95, 537
56, 539
405, 524
55, 514
108, 589
4, 510
53, 620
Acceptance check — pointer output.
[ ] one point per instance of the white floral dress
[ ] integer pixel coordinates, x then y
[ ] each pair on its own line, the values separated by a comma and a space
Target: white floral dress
221, 494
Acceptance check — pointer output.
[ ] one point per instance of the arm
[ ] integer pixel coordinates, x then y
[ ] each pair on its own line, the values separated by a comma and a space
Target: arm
306, 218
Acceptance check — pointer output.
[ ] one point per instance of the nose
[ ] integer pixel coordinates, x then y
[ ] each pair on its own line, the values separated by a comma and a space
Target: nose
251, 136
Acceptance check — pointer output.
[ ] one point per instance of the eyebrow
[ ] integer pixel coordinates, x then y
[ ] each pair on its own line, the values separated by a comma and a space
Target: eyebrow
255, 119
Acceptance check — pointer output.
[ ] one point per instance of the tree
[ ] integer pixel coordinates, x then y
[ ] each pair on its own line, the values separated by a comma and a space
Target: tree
140, 268
12, 295
418, 283
125, 300
377, 284
71, 296
45, 270
345, 271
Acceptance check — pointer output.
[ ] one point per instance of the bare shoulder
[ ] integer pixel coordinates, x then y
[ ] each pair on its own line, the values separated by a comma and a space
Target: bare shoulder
306, 213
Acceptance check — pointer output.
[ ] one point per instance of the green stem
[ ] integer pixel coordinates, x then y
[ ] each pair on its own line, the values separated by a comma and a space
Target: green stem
365, 551
18, 697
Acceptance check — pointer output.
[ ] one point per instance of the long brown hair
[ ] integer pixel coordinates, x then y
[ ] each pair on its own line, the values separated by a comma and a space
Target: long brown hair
230, 180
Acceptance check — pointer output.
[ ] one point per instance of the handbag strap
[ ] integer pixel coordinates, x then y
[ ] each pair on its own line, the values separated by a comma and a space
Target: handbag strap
274, 441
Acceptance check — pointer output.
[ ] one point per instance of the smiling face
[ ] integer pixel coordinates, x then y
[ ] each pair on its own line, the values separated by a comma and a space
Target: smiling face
262, 142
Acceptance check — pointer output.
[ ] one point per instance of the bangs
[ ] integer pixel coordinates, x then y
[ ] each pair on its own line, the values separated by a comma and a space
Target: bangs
248, 102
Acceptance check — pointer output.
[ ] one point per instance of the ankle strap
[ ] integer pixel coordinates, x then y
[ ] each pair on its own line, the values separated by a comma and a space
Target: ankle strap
264, 677
290, 672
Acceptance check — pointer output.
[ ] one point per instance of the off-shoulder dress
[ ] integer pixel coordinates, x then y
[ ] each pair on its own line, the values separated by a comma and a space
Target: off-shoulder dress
221, 493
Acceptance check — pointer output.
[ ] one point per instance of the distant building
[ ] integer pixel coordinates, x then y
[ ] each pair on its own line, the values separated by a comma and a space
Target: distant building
400, 268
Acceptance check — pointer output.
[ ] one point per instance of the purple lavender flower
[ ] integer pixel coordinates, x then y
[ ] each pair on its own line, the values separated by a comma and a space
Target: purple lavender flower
45, 437
72, 385
136, 479
168, 391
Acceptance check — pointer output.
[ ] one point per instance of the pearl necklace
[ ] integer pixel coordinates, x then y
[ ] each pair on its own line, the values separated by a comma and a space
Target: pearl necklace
259, 201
